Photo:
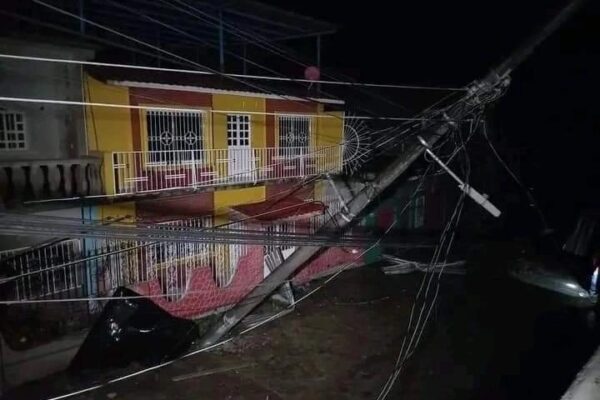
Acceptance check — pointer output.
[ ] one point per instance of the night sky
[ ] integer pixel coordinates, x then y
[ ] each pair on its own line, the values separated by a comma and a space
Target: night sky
548, 117
546, 124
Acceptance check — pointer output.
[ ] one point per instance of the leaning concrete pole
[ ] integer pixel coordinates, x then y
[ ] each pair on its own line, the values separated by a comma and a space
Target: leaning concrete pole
475, 97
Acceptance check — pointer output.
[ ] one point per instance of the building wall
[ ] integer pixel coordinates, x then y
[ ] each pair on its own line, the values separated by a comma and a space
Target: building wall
53, 131
286, 107
439, 193
330, 129
120, 129
224, 199
241, 104
280, 190
203, 296
8, 242
124, 130
108, 129
124, 212
177, 207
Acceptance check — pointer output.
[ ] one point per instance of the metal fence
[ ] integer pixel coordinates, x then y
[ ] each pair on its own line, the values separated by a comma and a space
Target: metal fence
95, 267
34, 272
125, 263
148, 171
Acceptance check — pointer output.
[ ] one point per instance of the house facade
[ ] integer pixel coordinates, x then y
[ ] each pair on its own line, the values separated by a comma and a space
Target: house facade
43, 148
190, 157
129, 147
198, 154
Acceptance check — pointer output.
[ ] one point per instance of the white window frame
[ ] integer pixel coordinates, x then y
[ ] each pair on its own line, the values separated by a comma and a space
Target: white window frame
241, 125
5, 132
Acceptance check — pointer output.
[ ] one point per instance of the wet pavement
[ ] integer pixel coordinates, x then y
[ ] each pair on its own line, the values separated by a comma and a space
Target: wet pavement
490, 338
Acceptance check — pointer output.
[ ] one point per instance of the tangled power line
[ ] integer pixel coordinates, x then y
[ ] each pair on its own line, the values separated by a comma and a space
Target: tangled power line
427, 294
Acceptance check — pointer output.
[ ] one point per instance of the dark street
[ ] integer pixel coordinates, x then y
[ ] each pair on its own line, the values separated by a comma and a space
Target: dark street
491, 337
252, 199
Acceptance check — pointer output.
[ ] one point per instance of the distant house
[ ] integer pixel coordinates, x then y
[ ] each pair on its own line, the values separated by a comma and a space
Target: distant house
43, 148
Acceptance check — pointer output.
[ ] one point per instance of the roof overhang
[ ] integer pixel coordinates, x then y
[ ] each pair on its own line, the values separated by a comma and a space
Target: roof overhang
200, 89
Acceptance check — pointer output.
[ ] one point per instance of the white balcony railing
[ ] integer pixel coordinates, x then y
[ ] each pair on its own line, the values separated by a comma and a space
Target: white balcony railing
149, 171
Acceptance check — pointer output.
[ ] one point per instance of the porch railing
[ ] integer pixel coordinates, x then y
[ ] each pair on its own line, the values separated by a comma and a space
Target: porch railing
95, 267
35, 273
149, 171
45, 179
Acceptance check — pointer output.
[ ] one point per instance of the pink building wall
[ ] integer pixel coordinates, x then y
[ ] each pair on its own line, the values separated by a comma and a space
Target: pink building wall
204, 297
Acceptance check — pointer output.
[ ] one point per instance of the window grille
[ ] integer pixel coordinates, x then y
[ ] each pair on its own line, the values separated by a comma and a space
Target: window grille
294, 133
12, 131
174, 136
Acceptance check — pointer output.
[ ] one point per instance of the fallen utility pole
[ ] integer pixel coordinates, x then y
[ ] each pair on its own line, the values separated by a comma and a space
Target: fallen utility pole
479, 94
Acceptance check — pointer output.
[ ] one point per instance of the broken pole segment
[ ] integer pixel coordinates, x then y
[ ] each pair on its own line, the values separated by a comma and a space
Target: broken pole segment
478, 95
305, 253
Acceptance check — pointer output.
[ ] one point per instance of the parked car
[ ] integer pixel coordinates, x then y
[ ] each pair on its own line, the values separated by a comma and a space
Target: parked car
571, 272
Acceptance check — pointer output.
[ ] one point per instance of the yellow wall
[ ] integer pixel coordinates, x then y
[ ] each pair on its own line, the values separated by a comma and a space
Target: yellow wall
320, 189
118, 210
330, 134
330, 130
241, 104
108, 128
236, 197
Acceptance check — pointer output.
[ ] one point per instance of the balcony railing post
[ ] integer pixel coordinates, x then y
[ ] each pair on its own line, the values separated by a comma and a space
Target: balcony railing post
36, 178
4, 184
93, 177
194, 177
139, 171
302, 161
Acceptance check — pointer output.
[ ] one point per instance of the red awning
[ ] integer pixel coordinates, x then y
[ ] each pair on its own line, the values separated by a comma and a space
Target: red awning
289, 208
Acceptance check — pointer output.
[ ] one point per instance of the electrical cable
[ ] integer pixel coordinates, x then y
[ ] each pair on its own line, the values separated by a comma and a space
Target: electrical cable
408, 347
212, 111
532, 201
280, 196
215, 181
56, 9
278, 51
178, 57
243, 332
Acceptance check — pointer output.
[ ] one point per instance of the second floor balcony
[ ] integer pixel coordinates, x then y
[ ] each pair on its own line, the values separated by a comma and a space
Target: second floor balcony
152, 171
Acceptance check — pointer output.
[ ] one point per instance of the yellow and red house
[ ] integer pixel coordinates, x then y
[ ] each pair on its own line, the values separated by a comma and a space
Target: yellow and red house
201, 152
